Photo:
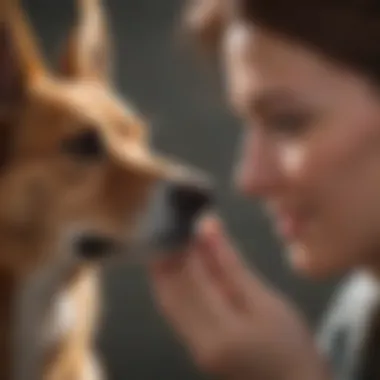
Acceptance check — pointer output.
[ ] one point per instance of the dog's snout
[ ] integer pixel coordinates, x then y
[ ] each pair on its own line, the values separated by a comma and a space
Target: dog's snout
188, 200
169, 221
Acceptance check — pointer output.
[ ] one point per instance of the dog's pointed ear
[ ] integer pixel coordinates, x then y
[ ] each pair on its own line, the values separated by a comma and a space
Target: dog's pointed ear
20, 62
86, 53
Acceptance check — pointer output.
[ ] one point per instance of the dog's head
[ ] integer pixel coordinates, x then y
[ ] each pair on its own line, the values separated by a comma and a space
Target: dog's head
75, 160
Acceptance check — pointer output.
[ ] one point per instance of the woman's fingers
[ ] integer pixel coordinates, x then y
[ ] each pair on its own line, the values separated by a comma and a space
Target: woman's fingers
190, 297
225, 314
226, 264
205, 291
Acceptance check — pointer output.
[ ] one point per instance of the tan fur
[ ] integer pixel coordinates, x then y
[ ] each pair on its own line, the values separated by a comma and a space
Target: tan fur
44, 192
75, 351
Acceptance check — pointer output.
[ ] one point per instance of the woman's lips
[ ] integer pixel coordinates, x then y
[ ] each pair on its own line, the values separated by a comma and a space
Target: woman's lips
289, 225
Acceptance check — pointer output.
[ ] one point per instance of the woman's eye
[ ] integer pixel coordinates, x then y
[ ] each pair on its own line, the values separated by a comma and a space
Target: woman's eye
290, 124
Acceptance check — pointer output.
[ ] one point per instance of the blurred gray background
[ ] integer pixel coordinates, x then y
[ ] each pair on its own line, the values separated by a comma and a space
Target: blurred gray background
185, 104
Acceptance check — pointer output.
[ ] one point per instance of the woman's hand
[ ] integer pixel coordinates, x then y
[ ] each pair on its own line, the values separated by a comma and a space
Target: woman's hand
233, 324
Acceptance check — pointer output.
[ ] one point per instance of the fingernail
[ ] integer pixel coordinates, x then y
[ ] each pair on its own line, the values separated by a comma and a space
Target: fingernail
209, 232
209, 225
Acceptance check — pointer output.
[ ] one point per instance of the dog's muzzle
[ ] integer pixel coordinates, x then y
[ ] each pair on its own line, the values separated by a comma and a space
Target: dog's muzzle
166, 224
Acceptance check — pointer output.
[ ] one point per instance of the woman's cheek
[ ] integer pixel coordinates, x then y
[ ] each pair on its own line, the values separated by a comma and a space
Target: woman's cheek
292, 157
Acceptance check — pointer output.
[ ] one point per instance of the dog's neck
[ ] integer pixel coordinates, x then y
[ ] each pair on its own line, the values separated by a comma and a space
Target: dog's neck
22, 316
29, 304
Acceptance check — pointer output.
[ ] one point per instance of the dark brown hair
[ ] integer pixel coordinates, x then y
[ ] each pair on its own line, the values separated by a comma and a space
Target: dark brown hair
344, 30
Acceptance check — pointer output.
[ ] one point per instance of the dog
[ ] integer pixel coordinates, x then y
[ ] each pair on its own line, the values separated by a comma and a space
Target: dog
79, 184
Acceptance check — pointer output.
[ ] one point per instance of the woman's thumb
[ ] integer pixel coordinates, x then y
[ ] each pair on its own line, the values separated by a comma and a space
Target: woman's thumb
223, 258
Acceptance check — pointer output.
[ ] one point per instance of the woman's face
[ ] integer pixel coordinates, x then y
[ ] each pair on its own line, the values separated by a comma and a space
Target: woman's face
311, 149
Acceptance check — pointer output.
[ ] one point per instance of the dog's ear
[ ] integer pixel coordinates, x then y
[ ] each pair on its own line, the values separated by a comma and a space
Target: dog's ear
86, 53
20, 66
20, 62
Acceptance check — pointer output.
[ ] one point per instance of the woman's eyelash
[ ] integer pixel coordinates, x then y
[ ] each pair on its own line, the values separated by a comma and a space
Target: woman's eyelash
289, 122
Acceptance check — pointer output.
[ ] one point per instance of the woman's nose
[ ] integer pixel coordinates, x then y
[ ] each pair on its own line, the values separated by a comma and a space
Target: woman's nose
257, 172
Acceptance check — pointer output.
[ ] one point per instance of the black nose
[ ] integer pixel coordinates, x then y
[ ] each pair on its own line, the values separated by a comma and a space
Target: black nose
187, 201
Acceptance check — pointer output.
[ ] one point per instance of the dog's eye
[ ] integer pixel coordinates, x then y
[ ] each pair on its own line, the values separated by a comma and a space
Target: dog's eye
85, 145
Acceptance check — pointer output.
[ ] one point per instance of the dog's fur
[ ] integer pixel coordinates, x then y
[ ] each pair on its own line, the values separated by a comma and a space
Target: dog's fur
73, 157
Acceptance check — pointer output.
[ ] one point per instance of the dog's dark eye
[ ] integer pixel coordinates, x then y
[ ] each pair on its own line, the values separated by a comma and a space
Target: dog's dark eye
85, 145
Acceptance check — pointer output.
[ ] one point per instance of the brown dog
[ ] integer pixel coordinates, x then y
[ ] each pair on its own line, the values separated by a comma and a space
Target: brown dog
79, 183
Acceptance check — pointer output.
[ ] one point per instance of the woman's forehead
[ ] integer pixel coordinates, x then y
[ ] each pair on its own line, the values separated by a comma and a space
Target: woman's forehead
254, 49
259, 61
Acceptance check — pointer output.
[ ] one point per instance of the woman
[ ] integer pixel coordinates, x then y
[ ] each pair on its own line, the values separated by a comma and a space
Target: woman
303, 76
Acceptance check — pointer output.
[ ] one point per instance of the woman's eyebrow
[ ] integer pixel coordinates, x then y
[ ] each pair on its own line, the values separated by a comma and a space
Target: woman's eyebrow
265, 101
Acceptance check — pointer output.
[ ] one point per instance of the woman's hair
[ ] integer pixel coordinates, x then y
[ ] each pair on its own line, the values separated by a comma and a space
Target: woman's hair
345, 30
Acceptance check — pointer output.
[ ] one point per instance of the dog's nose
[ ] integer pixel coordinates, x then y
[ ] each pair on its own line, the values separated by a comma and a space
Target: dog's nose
188, 200
169, 221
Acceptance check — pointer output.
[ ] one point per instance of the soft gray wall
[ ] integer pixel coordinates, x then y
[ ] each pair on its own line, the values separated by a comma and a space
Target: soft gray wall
189, 120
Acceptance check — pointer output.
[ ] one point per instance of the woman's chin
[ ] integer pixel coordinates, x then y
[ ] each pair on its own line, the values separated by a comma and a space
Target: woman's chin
308, 264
